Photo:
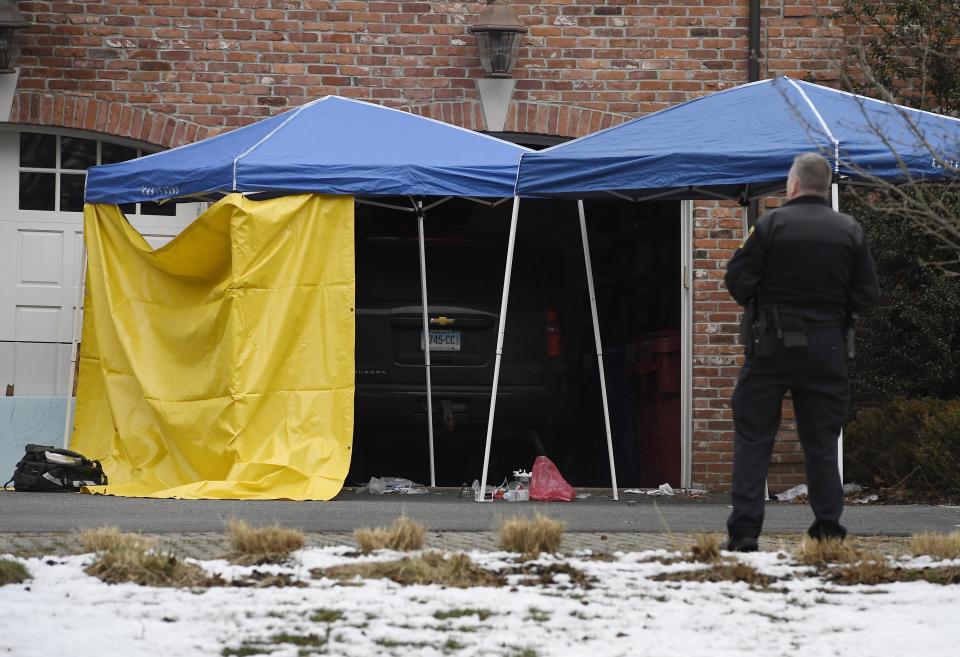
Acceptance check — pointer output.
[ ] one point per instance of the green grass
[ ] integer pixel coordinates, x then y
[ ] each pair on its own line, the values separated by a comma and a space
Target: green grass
524, 652
538, 615
390, 643
482, 614
326, 616
242, 651
298, 639
452, 644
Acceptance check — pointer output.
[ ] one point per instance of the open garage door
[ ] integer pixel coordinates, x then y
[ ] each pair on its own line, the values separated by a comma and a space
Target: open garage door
549, 398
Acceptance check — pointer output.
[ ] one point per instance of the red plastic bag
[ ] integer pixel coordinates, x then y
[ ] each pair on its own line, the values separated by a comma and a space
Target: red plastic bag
547, 484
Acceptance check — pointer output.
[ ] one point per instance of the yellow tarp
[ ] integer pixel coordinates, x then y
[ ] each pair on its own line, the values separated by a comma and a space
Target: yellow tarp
221, 365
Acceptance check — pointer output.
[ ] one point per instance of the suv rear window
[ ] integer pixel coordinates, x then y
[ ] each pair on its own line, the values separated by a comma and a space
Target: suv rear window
388, 269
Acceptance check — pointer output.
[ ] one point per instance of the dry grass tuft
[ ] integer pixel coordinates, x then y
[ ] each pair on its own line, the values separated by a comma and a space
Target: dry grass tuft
131, 558
705, 548
820, 553
944, 575
728, 571
12, 572
147, 569
939, 546
260, 545
104, 539
404, 535
868, 568
535, 574
531, 537
456, 570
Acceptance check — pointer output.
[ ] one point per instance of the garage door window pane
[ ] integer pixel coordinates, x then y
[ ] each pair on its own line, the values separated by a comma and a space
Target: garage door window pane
76, 153
165, 210
36, 191
39, 151
71, 192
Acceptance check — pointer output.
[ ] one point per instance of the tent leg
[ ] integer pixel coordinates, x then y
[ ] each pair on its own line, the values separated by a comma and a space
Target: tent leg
74, 356
596, 336
496, 366
426, 342
835, 199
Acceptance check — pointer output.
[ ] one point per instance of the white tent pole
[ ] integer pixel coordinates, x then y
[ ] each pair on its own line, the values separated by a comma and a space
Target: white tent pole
596, 337
77, 311
426, 341
835, 198
496, 366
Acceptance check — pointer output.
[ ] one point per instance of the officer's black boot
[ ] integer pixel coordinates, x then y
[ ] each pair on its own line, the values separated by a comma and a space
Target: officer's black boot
742, 544
827, 531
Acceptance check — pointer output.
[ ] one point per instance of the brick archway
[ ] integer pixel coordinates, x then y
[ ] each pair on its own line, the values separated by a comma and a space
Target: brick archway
533, 118
463, 113
559, 120
122, 120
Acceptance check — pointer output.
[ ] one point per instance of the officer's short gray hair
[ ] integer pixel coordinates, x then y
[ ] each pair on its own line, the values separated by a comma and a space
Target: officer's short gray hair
812, 173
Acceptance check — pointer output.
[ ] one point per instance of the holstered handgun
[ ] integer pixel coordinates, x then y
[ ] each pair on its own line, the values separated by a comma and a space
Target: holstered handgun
762, 337
849, 335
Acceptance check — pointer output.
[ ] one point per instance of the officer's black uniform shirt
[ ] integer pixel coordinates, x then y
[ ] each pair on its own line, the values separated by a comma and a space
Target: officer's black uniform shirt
808, 260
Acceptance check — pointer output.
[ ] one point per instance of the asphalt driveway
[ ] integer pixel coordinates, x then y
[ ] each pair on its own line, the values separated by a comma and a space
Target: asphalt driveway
441, 510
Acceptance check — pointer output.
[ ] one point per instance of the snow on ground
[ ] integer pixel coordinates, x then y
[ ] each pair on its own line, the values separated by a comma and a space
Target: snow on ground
624, 613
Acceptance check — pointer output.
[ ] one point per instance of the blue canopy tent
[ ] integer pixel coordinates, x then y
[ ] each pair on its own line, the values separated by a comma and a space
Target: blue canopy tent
739, 144
332, 145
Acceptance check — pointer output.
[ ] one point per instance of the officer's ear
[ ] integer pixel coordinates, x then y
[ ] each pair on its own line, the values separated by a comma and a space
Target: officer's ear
791, 185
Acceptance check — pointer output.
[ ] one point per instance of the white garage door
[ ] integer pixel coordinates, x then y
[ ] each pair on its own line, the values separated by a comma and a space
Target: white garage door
41, 242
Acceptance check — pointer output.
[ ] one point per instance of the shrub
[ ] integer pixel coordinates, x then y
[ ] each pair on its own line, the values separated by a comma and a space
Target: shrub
879, 446
909, 345
938, 447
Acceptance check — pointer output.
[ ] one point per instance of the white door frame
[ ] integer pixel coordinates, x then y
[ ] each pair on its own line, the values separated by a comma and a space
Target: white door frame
686, 344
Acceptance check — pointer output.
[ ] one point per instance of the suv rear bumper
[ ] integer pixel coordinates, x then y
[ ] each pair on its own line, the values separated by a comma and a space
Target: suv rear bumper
395, 405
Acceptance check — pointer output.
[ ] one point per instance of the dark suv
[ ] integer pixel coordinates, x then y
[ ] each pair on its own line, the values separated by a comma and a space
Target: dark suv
465, 267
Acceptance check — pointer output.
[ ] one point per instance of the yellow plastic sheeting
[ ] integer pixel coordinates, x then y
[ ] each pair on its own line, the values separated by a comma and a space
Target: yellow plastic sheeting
221, 365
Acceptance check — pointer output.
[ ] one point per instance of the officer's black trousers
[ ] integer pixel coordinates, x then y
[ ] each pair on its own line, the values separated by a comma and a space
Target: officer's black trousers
816, 376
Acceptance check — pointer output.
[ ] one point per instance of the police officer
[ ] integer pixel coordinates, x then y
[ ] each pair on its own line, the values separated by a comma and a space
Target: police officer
801, 273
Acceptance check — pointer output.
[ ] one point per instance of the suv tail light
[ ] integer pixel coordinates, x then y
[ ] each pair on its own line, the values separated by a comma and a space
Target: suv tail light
552, 328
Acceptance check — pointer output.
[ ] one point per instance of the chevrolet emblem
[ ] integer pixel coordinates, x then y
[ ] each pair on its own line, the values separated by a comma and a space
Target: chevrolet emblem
442, 321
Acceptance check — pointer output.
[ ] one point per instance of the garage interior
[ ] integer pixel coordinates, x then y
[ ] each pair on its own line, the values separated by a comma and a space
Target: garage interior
636, 253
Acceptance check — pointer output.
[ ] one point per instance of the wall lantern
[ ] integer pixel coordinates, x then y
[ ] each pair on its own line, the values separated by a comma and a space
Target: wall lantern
10, 20
499, 33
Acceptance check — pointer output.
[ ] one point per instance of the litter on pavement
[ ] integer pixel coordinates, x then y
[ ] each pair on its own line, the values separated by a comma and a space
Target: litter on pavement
383, 485
662, 490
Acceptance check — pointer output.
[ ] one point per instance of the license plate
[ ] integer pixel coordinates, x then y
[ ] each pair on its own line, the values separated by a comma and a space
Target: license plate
443, 340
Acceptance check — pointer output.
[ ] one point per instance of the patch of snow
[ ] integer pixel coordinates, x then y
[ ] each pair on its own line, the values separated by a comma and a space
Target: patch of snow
624, 613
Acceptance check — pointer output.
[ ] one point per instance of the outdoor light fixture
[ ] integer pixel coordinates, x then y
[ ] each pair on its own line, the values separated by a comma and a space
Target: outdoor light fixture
10, 20
498, 32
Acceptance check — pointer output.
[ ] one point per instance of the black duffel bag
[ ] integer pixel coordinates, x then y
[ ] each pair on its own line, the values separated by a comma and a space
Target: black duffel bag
49, 469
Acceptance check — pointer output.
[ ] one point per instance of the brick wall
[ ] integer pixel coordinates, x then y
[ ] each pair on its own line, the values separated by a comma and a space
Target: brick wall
169, 72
